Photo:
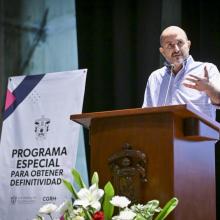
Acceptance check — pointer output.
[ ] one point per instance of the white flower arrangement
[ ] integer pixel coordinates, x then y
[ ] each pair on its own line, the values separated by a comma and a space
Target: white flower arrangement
120, 201
98, 204
89, 197
47, 209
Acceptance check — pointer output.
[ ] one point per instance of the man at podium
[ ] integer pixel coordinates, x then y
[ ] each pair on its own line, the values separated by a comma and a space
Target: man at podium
182, 80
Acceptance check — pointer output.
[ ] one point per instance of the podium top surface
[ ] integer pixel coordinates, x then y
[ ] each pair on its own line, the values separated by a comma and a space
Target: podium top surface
183, 111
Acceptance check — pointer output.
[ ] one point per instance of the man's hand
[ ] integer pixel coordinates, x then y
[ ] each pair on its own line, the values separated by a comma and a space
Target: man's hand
198, 83
203, 84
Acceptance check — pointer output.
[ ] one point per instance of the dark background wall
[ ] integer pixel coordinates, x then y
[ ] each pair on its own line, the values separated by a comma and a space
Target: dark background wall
118, 43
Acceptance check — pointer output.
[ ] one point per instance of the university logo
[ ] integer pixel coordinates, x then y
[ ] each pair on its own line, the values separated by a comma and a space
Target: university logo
41, 128
13, 200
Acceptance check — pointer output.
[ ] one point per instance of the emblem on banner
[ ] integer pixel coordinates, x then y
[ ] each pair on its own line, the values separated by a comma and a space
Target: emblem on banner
13, 200
41, 127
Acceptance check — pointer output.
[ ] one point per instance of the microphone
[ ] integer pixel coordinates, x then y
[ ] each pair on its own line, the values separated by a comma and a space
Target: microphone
172, 66
168, 87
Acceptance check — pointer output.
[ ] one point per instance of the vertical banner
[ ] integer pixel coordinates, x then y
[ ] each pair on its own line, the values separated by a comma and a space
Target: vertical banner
39, 141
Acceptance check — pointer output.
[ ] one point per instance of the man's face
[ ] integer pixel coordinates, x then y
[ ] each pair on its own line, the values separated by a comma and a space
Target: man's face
175, 47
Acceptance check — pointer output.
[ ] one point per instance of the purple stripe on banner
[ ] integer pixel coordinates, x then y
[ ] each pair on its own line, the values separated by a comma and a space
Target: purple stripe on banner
22, 91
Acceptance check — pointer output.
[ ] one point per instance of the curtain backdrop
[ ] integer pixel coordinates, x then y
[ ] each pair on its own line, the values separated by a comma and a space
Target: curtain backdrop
118, 42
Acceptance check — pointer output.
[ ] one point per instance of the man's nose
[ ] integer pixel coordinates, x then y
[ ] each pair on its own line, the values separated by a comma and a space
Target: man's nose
176, 48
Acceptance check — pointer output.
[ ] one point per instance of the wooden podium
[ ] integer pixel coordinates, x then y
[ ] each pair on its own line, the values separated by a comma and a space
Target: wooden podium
179, 148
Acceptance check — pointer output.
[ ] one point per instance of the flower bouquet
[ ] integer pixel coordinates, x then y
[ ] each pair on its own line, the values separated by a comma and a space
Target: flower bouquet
93, 203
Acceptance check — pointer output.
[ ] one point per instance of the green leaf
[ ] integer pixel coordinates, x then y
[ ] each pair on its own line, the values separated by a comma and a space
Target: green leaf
95, 179
87, 214
77, 178
108, 208
169, 207
152, 206
39, 217
70, 188
139, 217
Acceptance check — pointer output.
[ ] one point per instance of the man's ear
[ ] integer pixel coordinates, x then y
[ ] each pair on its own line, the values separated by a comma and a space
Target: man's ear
189, 43
161, 50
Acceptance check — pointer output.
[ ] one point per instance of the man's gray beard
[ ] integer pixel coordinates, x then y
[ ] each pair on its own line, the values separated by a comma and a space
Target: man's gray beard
179, 62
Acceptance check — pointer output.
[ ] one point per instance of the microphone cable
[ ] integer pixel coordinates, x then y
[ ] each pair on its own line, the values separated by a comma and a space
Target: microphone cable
168, 87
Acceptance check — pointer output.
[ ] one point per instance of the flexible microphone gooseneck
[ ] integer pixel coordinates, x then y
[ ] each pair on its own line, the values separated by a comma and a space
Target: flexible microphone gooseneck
168, 87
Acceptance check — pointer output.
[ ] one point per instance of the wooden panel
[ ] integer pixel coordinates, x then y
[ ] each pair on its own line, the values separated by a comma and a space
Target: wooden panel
152, 135
182, 111
194, 179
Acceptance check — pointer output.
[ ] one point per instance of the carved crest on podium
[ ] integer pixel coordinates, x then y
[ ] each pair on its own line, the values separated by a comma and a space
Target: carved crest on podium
129, 172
